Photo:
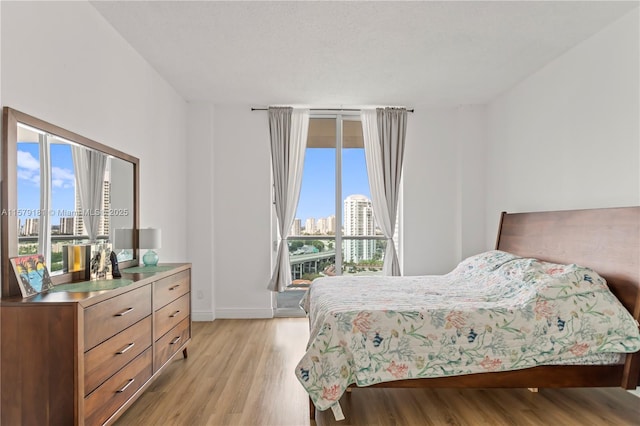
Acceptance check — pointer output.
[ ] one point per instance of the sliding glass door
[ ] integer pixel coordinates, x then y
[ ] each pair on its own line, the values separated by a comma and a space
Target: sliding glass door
334, 232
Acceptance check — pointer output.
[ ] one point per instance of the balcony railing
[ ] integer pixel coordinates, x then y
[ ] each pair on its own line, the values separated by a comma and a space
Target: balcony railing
313, 256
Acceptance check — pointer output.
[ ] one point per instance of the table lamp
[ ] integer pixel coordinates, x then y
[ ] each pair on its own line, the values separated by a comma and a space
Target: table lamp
122, 241
150, 240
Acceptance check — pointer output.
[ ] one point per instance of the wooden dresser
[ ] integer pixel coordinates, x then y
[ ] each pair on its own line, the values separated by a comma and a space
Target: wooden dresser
82, 357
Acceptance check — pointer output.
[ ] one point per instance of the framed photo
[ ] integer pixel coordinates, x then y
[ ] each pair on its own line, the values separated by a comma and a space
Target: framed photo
32, 274
100, 265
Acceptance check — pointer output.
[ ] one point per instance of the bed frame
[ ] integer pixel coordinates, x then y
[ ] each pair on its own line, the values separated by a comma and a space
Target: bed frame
605, 240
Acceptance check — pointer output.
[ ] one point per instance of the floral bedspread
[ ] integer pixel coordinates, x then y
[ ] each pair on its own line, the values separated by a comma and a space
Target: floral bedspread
494, 312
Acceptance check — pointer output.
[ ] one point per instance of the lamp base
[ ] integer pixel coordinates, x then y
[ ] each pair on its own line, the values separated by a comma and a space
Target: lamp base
150, 258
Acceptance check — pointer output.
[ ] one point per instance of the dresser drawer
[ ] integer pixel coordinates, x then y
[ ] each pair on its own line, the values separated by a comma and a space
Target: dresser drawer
113, 393
107, 358
168, 317
169, 289
105, 319
169, 344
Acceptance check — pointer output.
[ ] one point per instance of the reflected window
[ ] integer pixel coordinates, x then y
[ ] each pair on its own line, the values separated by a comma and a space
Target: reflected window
50, 213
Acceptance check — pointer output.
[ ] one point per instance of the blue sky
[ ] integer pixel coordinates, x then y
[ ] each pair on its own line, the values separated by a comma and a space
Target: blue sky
317, 196
63, 181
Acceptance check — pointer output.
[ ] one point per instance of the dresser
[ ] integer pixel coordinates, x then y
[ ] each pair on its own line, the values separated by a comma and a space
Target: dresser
82, 357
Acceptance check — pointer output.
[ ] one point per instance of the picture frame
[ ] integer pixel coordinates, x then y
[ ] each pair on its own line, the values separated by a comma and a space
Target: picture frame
100, 263
32, 274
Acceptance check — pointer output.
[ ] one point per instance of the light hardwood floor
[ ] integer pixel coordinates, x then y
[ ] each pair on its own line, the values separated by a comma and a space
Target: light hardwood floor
240, 372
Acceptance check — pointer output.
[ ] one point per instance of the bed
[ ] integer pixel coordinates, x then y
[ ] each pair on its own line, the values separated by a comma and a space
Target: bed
585, 247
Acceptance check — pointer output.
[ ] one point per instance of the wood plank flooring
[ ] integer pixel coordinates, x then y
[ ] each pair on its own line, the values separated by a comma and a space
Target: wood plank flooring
240, 372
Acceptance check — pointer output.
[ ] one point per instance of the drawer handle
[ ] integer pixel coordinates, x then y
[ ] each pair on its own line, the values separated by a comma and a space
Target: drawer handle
122, 389
175, 314
174, 287
126, 348
123, 313
175, 340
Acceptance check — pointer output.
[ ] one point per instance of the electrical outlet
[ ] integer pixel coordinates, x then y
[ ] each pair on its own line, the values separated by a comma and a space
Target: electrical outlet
200, 294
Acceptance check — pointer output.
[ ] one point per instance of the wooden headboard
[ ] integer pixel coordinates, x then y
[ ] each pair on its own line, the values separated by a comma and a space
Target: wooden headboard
605, 240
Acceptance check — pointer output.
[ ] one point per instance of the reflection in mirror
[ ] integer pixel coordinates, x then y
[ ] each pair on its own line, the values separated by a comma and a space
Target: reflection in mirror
84, 192
123, 244
61, 192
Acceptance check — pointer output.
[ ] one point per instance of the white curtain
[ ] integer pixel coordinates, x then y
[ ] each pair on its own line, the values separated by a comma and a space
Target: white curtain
288, 129
89, 167
44, 222
384, 135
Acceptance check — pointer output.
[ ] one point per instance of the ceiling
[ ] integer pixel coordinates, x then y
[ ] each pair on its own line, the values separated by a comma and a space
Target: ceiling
334, 54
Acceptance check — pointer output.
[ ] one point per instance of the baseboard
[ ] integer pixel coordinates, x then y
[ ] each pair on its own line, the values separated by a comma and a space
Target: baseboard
290, 313
204, 316
239, 313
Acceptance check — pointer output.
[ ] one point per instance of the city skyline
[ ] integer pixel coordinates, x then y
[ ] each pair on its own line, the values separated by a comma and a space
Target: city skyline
298, 222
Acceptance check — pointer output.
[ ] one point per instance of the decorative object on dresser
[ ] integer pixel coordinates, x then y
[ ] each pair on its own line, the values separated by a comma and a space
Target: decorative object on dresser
115, 270
100, 266
32, 274
150, 239
76, 258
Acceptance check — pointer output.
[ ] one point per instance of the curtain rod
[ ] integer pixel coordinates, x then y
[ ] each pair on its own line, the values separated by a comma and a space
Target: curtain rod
323, 109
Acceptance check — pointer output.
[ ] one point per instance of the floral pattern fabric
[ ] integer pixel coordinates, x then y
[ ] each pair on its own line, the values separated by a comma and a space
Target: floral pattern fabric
493, 312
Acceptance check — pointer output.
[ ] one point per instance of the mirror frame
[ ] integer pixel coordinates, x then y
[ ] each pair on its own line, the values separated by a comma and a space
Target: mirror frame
9, 188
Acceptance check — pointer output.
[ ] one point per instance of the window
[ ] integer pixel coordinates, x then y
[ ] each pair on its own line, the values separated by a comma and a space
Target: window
334, 210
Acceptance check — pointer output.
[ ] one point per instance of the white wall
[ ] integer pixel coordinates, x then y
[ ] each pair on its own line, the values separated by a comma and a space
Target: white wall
242, 212
443, 193
121, 175
63, 63
471, 139
200, 209
568, 136
429, 192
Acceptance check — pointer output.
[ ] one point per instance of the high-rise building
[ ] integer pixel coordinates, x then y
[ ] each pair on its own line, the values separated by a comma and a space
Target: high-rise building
358, 221
310, 226
331, 224
103, 223
77, 219
105, 219
66, 225
296, 228
322, 226
31, 226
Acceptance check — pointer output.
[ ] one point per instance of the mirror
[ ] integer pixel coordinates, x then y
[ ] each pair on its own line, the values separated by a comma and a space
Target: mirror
61, 190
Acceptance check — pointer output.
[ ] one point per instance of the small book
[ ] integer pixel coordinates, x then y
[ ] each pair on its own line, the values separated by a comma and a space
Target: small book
32, 274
